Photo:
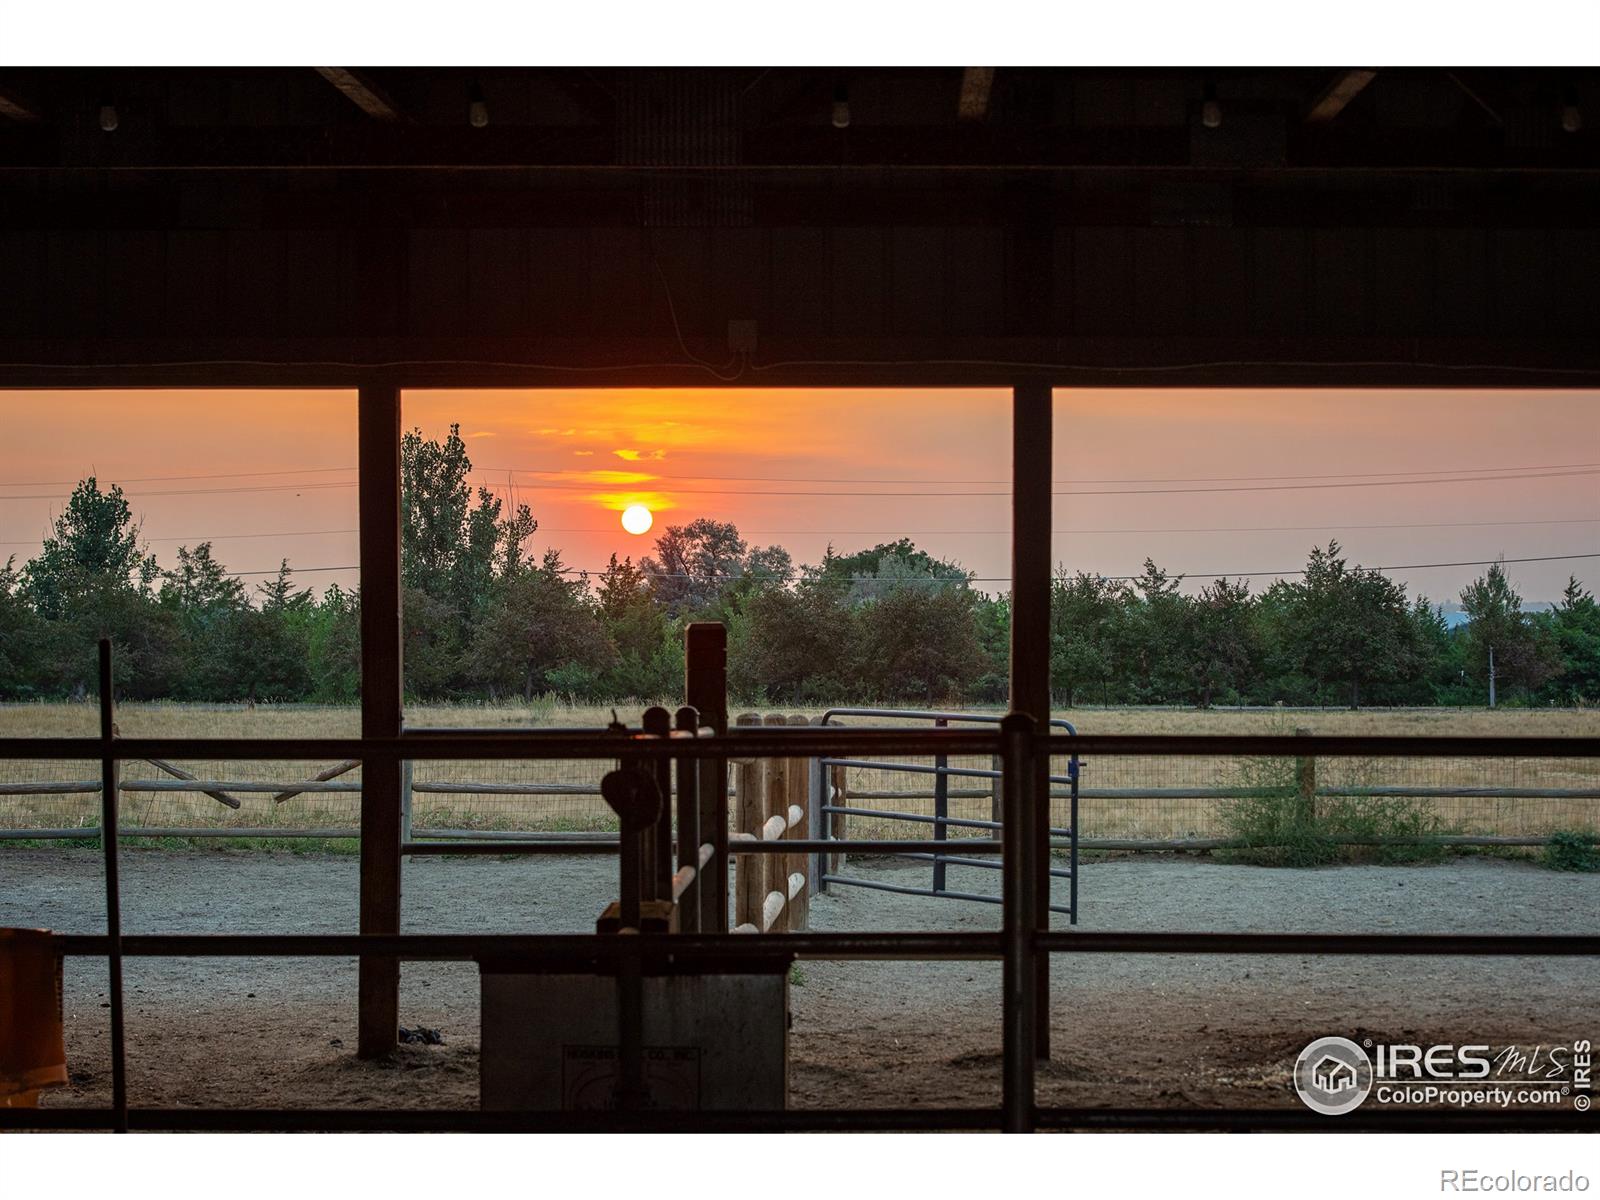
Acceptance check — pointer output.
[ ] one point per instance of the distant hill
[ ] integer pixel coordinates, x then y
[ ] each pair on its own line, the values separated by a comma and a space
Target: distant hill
1454, 618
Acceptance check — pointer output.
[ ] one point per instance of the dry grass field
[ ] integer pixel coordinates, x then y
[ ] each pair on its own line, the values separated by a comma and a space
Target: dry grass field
1121, 816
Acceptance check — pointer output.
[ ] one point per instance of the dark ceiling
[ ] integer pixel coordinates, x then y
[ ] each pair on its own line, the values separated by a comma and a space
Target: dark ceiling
1121, 220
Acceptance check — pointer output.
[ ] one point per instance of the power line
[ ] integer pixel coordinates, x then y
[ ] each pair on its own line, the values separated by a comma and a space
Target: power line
1074, 532
809, 479
1281, 487
196, 539
167, 478
978, 482
265, 487
948, 495
1486, 562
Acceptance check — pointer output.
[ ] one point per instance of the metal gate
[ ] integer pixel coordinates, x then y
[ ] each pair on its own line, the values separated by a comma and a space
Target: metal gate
941, 820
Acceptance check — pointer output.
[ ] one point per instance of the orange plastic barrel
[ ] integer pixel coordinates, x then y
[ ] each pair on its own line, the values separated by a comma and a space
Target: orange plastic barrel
33, 1052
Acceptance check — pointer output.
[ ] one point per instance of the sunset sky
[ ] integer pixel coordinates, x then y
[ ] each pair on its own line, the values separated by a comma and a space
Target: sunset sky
266, 475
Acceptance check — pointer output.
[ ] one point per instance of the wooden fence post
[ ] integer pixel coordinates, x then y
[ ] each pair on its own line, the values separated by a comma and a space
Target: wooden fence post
816, 797
406, 769
795, 864
706, 691
996, 792
1305, 781
838, 823
750, 882
776, 804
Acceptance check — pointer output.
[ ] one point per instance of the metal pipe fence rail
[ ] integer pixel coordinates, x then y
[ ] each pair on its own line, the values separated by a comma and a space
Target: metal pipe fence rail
833, 792
1020, 946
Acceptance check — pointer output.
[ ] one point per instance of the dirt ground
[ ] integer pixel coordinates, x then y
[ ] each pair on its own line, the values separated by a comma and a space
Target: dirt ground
1128, 1030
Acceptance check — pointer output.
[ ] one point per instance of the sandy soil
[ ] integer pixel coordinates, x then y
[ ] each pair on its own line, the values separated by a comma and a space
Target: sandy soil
1128, 1030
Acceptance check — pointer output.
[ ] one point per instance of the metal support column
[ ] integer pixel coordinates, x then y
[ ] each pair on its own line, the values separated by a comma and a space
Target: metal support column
1030, 627
381, 640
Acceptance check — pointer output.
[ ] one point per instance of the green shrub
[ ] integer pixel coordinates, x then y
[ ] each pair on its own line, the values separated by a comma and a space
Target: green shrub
1273, 825
1572, 850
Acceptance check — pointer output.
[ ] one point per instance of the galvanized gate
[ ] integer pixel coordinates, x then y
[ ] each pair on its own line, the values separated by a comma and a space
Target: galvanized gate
942, 772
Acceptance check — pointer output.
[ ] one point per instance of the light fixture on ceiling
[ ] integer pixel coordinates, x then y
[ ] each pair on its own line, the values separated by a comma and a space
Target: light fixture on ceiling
1571, 114
841, 107
108, 116
1210, 110
477, 110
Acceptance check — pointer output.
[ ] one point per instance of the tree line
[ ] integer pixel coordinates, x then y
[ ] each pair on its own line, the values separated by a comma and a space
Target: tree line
483, 620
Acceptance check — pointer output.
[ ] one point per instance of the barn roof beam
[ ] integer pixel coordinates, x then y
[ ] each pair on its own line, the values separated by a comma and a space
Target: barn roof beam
976, 84
360, 90
1336, 96
384, 146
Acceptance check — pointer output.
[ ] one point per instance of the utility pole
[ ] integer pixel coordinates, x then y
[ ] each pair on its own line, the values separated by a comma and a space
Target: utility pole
1491, 676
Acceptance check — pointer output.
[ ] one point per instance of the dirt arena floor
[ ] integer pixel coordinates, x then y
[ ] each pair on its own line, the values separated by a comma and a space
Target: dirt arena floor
1128, 1030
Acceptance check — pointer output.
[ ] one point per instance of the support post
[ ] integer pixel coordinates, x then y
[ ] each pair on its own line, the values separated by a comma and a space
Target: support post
795, 864
816, 824
658, 854
752, 814
1030, 629
381, 639
109, 795
775, 803
706, 691
839, 823
407, 769
687, 784
1305, 784
1020, 856
941, 811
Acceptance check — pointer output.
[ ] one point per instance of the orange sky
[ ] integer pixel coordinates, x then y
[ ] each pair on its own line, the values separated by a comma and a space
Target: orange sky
778, 462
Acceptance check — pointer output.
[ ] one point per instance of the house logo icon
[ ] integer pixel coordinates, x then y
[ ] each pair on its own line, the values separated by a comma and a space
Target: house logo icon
1333, 1076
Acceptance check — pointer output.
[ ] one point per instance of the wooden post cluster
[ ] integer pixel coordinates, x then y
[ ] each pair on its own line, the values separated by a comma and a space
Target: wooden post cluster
772, 890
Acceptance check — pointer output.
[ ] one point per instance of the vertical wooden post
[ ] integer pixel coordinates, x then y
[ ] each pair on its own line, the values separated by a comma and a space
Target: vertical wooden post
686, 782
110, 796
776, 804
799, 906
839, 823
751, 880
1305, 784
1030, 631
658, 852
1021, 1015
381, 683
995, 790
706, 691
816, 797
407, 772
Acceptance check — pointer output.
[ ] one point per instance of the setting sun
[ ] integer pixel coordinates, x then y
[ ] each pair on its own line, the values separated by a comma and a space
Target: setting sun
636, 519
